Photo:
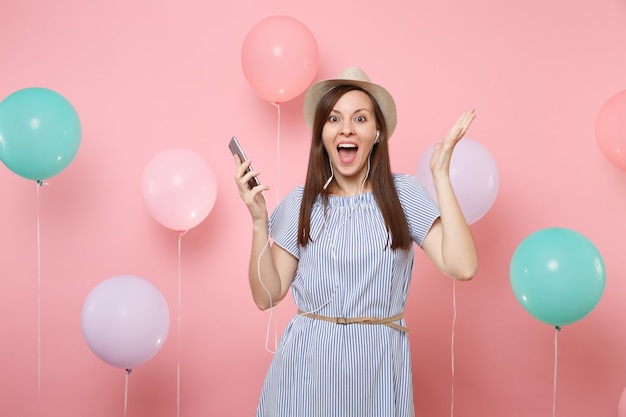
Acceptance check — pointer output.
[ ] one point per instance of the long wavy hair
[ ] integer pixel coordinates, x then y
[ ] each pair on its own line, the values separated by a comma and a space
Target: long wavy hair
380, 177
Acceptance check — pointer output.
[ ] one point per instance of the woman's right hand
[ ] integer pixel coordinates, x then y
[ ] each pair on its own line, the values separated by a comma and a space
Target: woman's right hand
253, 198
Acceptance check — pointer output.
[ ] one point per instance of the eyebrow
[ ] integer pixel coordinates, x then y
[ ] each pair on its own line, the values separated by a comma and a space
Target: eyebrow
354, 112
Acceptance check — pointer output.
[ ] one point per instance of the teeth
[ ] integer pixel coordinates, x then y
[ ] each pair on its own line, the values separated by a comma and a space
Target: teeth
346, 146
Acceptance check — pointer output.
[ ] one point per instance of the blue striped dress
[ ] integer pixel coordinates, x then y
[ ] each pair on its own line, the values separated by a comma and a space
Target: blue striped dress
324, 369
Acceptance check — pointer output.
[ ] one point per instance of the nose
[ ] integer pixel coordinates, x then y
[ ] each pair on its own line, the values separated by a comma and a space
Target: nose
346, 128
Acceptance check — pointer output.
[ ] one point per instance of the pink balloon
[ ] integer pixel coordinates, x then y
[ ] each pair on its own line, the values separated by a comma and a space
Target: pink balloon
279, 57
611, 130
179, 188
125, 321
474, 177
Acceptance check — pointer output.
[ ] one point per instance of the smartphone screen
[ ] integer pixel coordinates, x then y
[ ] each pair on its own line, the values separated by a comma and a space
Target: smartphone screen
236, 149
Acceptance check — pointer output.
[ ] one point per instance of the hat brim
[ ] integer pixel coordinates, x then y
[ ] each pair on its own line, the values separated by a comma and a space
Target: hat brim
385, 101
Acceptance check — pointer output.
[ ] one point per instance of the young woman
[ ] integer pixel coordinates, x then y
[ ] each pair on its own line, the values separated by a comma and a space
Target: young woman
343, 244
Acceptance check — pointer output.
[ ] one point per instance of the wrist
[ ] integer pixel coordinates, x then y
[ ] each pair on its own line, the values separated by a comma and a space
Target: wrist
441, 180
259, 224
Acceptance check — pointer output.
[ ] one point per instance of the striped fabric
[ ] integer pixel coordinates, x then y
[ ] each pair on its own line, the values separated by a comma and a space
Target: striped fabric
324, 369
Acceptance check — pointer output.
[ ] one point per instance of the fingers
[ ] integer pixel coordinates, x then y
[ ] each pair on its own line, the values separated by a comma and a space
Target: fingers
461, 126
243, 171
245, 179
466, 120
468, 114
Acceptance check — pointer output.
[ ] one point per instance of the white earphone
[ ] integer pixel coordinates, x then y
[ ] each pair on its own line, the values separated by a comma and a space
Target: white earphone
377, 136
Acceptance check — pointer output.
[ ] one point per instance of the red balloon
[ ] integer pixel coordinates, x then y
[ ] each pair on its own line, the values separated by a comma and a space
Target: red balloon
611, 130
279, 57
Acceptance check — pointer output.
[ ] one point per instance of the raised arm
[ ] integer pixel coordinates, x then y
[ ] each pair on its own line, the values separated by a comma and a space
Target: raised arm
449, 243
271, 268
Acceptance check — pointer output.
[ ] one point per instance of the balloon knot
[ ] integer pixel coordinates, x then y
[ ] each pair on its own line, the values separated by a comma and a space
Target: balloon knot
40, 183
128, 371
183, 233
558, 328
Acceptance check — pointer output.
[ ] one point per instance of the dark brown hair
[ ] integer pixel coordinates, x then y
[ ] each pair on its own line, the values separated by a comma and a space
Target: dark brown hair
380, 177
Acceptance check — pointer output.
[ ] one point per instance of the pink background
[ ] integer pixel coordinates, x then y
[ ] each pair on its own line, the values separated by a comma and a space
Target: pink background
146, 76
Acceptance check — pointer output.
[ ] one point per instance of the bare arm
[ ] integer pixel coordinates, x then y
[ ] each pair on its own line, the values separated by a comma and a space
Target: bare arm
271, 269
449, 243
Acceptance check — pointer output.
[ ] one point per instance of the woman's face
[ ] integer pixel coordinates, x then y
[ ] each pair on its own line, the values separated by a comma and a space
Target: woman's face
349, 135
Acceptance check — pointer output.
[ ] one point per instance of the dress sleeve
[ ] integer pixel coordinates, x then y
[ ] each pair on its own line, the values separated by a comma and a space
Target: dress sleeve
419, 207
283, 223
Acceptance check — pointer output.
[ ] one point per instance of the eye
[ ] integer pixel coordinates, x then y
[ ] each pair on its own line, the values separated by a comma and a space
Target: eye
333, 119
360, 119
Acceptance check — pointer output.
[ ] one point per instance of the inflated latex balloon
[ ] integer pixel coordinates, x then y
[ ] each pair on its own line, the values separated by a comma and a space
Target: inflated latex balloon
473, 174
557, 275
179, 188
125, 321
40, 133
611, 130
279, 58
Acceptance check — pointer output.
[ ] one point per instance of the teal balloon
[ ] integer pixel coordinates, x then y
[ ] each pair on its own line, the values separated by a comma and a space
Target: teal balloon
39, 133
557, 275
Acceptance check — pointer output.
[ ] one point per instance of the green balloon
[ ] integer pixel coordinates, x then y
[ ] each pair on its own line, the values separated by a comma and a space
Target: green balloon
557, 275
39, 133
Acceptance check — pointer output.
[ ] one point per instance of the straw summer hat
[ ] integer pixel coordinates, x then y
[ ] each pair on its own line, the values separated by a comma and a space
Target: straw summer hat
351, 76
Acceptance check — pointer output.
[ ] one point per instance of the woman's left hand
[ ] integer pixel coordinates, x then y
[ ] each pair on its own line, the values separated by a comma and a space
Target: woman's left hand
449, 243
442, 151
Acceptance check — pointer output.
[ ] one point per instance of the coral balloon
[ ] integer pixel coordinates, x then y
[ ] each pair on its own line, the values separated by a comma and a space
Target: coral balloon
621, 406
39, 133
279, 57
611, 130
125, 321
179, 188
474, 177
557, 275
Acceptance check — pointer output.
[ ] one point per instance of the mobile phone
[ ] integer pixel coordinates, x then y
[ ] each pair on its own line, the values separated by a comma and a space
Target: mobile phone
236, 149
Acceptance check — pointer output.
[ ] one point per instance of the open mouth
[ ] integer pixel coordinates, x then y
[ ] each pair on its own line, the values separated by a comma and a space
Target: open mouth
347, 152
